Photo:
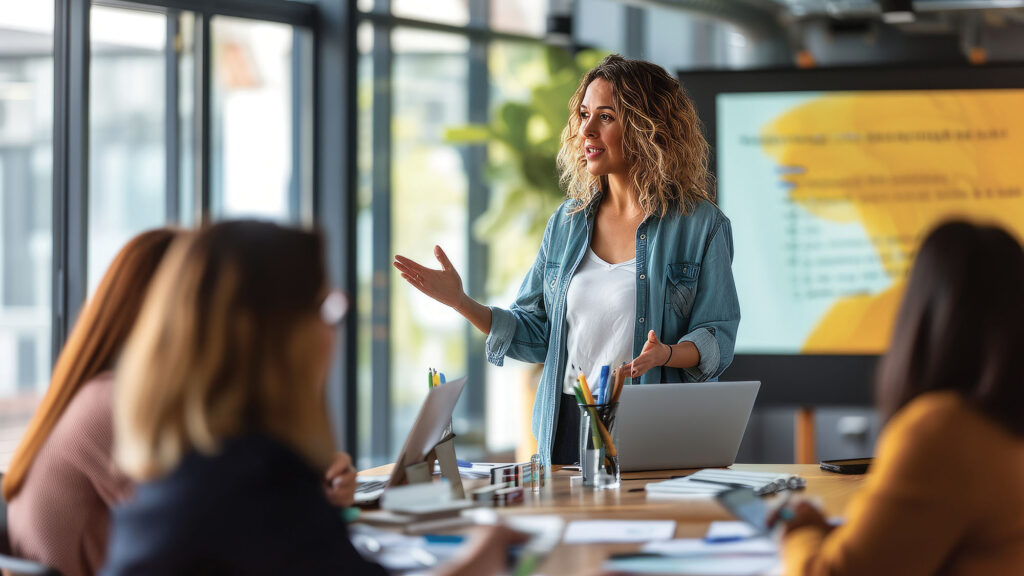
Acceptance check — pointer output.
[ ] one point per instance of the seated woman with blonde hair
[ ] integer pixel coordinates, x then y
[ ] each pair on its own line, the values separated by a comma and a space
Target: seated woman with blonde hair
219, 415
62, 481
945, 494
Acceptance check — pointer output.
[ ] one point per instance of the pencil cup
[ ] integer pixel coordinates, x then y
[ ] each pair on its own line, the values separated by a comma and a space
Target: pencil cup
599, 459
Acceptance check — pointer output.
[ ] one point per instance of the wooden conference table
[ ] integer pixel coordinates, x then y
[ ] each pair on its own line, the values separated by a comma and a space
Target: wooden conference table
573, 502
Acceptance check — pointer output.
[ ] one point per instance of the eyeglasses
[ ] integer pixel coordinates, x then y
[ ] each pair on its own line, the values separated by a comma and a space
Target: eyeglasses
334, 307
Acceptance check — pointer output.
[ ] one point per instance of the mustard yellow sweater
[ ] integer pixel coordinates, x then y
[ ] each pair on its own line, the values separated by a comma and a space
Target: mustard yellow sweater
945, 495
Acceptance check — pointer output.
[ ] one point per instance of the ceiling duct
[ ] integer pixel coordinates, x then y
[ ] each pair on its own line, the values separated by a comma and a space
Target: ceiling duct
897, 11
758, 18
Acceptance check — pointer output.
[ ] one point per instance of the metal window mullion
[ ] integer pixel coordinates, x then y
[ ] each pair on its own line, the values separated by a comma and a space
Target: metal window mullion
634, 31
334, 192
285, 12
300, 193
295, 184
71, 165
380, 349
172, 193
472, 31
477, 199
201, 118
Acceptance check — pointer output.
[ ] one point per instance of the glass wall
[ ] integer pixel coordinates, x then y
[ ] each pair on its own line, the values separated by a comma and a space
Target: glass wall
252, 120
428, 208
139, 154
26, 212
127, 135
433, 171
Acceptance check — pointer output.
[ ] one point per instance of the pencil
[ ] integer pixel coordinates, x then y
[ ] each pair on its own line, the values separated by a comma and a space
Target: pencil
595, 435
586, 389
620, 381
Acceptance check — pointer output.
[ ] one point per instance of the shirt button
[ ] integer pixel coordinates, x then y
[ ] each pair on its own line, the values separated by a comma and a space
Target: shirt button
552, 283
641, 320
643, 236
643, 276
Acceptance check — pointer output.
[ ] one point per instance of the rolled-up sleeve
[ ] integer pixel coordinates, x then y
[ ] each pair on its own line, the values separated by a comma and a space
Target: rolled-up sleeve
503, 328
710, 356
522, 331
716, 308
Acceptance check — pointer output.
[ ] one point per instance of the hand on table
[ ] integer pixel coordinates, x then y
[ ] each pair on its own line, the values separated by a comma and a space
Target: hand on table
444, 285
654, 353
802, 514
486, 552
340, 481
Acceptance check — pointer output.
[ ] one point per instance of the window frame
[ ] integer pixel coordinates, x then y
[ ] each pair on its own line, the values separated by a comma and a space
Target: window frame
480, 36
326, 28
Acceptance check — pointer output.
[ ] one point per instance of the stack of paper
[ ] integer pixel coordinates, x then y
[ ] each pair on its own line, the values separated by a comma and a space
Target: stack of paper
712, 555
594, 531
708, 482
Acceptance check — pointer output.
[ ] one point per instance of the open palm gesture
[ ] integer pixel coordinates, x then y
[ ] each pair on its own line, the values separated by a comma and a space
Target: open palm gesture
654, 353
444, 285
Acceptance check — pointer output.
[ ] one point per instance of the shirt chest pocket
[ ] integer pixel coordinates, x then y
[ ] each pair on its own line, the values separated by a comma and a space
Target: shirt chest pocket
551, 280
681, 287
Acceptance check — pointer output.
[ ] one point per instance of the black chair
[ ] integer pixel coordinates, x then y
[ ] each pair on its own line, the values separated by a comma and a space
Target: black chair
11, 564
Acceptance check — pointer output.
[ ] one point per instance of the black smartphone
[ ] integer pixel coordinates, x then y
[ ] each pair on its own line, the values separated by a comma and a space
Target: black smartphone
746, 505
850, 466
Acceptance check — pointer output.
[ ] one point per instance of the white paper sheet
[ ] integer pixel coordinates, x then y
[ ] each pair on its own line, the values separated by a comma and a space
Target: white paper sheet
591, 531
731, 530
697, 565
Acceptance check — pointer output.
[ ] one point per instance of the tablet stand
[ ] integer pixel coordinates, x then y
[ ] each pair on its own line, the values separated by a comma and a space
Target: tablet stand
444, 453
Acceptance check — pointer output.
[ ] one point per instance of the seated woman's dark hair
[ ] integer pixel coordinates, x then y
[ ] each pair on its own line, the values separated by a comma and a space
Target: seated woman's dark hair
961, 325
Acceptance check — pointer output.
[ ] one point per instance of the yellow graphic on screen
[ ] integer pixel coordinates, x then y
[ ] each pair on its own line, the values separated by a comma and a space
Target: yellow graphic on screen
899, 163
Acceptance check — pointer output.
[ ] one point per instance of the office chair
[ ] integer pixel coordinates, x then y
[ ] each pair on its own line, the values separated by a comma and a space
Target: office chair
11, 564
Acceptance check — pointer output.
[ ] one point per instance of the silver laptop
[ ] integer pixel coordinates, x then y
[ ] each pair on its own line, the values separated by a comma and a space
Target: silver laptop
691, 425
432, 425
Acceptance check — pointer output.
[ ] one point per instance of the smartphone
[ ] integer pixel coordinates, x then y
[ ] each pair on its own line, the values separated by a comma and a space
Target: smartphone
746, 505
850, 466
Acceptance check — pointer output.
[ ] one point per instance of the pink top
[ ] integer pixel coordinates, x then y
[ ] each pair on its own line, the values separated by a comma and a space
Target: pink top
61, 516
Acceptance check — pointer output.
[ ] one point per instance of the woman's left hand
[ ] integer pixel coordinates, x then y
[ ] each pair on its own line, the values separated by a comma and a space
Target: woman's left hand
340, 481
655, 353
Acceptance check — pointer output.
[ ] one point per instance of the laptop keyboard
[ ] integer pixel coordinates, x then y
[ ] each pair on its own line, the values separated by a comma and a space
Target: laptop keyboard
370, 486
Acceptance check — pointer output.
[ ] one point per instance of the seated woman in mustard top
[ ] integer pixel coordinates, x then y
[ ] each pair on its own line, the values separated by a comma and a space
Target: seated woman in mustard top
946, 491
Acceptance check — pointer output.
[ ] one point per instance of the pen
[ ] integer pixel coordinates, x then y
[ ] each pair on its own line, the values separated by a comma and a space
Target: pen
430, 378
721, 539
464, 463
436, 379
719, 482
602, 386
785, 514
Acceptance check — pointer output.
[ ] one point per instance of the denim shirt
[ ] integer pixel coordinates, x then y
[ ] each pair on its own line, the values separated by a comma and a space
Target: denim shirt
684, 292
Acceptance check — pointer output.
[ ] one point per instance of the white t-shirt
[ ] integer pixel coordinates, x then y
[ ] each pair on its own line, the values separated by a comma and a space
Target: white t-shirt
600, 311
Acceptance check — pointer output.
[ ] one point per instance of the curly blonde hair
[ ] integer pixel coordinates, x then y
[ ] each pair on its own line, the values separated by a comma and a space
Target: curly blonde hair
662, 141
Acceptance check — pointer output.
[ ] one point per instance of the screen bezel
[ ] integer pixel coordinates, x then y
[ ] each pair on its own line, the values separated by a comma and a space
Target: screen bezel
825, 379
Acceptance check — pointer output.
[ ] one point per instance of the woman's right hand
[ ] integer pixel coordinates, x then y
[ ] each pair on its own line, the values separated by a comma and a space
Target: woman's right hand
485, 553
444, 285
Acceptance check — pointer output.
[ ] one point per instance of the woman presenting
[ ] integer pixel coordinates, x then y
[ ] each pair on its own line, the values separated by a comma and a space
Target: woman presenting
635, 266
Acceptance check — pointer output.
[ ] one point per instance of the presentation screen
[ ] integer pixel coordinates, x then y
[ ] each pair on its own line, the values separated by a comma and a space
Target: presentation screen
831, 193
831, 179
